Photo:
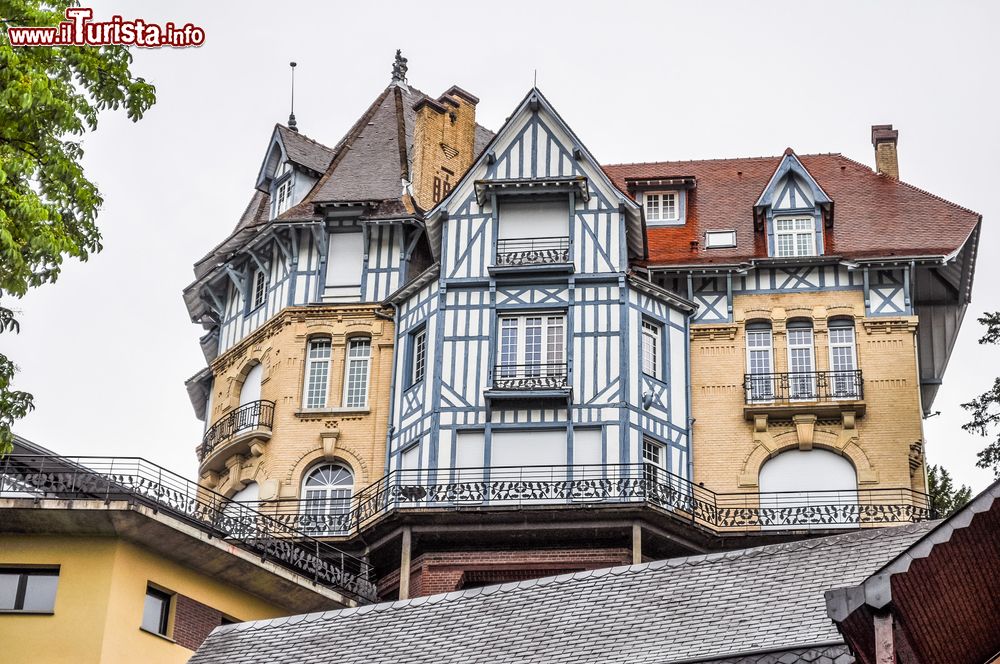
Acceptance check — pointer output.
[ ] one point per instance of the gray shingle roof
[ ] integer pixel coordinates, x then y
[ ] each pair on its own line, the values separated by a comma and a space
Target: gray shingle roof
733, 605
305, 151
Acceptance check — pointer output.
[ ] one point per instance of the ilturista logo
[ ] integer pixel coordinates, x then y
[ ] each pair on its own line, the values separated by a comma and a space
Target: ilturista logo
79, 29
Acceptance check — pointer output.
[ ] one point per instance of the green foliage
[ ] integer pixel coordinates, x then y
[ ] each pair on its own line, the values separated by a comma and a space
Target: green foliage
985, 408
49, 98
945, 498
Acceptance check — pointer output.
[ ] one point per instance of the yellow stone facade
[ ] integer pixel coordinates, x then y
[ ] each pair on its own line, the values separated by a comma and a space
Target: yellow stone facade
883, 439
300, 439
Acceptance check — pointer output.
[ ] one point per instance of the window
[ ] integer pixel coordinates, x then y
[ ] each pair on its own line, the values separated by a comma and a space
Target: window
760, 386
356, 380
794, 237
532, 346
156, 611
32, 590
418, 358
283, 196
801, 369
843, 359
651, 349
720, 239
534, 219
653, 457
663, 207
317, 373
327, 491
259, 288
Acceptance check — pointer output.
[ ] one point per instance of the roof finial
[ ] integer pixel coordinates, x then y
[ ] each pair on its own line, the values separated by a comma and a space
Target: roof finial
291, 114
399, 68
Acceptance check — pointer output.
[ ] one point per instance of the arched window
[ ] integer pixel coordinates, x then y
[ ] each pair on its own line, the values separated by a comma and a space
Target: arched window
845, 382
327, 490
250, 390
794, 483
760, 362
359, 352
801, 362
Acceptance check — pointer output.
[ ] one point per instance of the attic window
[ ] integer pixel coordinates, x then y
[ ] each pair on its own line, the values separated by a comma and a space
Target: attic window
663, 207
794, 236
283, 197
720, 239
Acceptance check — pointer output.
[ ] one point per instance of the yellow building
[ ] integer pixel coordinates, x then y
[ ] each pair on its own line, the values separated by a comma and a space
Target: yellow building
120, 561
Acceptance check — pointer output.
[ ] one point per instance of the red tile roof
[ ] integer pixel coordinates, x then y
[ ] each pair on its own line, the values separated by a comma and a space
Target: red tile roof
874, 215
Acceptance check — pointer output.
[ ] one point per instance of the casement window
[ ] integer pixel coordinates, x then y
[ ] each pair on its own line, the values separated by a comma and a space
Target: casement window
418, 355
801, 362
662, 207
156, 611
760, 362
843, 359
794, 236
327, 491
317, 373
356, 373
651, 344
283, 197
532, 345
259, 289
28, 589
654, 456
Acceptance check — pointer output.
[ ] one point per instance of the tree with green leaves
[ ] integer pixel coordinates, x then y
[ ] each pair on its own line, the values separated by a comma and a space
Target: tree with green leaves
944, 497
985, 408
49, 98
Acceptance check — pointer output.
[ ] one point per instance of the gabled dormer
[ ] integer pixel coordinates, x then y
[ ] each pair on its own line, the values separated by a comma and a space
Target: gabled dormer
291, 166
793, 211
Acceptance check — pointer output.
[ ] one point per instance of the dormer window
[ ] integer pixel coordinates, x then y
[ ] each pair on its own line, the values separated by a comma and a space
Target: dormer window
664, 207
794, 236
283, 197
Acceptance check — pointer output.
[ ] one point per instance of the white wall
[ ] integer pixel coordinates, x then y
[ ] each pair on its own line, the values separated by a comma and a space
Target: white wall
528, 448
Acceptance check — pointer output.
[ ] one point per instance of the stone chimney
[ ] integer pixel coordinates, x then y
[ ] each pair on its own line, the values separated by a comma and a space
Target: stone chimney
884, 139
444, 139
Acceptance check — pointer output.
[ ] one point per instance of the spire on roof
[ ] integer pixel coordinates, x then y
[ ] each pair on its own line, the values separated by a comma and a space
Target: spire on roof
399, 69
291, 114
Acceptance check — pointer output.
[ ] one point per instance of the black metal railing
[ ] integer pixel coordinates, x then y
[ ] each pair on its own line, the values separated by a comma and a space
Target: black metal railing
138, 481
526, 377
804, 386
601, 484
248, 417
533, 251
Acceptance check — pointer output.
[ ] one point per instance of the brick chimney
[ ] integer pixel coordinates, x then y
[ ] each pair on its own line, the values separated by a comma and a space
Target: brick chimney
444, 138
884, 139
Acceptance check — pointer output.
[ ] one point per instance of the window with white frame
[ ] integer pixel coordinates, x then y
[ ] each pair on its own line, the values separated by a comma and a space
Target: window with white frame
532, 345
720, 239
327, 491
654, 457
843, 359
418, 357
259, 288
359, 353
662, 207
651, 333
317, 373
283, 196
801, 365
760, 384
794, 236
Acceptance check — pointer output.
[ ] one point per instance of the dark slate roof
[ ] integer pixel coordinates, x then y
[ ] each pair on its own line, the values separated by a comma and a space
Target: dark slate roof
304, 151
739, 604
875, 215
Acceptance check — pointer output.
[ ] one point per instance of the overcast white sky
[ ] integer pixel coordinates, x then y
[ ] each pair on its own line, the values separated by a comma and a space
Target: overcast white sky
106, 350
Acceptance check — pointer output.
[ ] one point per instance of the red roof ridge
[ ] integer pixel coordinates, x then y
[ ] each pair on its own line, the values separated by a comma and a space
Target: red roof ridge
700, 161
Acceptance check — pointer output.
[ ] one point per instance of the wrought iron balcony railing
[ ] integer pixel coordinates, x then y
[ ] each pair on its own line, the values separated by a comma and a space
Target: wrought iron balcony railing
601, 484
527, 377
138, 481
803, 386
248, 417
533, 251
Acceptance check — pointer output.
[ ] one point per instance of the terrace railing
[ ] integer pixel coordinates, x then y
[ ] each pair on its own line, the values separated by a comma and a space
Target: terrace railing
533, 251
527, 377
248, 417
139, 481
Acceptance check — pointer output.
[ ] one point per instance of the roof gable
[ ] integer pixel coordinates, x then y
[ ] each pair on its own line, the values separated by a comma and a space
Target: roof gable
792, 187
286, 144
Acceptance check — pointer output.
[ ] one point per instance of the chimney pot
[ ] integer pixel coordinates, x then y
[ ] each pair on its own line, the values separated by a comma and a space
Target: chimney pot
884, 139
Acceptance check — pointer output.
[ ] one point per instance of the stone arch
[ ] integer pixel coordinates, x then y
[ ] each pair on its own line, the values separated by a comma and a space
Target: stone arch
305, 463
769, 446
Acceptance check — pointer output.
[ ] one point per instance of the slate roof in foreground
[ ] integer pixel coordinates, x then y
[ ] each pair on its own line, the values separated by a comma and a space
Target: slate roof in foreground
754, 605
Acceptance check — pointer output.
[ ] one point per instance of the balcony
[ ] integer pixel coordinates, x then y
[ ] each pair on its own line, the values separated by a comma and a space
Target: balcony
548, 254
237, 432
823, 393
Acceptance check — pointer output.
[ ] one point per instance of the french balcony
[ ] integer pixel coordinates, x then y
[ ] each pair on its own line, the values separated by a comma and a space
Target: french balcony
545, 254
823, 393
239, 431
537, 382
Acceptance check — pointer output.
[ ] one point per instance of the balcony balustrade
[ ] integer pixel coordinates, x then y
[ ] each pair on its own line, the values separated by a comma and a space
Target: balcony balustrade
528, 252
804, 386
530, 377
255, 417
